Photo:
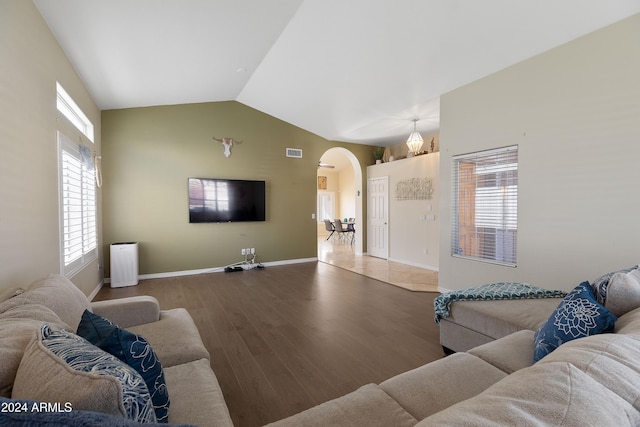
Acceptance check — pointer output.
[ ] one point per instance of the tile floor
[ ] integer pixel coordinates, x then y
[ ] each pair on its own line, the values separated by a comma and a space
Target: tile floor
405, 276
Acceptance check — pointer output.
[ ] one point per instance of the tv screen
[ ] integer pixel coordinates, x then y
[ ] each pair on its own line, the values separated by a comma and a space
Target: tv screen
226, 200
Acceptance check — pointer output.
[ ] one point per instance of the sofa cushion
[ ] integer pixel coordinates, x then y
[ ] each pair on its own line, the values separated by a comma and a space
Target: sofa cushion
31, 415
551, 394
19, 321
610, 359
578, 315
60, 295
133, 350
174, 338
432, 387
510, 353
623, 292
497, 319
61, 367
601, 284
629, 323
368, 406
192, 384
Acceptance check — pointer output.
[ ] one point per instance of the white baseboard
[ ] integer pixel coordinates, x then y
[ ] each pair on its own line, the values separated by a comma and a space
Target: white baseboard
93, 293
214, 269
414, 264
444, 290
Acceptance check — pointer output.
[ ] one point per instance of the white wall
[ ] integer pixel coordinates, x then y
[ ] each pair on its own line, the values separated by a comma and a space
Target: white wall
347, 194
31, 61
411, 234
574, 112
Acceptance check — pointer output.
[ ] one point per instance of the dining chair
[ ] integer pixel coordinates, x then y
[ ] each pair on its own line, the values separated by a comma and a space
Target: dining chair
343, 233
329, 227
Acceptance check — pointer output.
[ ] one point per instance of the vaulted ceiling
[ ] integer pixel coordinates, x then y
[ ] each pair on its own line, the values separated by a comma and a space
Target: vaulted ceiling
347, 70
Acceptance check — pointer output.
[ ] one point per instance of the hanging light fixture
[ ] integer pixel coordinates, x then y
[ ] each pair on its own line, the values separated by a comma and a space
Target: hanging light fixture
415, 140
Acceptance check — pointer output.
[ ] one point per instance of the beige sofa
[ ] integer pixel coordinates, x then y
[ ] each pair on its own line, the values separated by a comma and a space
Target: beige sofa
473, 323
592, 381
194, 392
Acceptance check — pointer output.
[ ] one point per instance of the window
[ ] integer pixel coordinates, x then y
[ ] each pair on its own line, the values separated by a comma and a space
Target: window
78, 206
77, 182
67, 106
485, 206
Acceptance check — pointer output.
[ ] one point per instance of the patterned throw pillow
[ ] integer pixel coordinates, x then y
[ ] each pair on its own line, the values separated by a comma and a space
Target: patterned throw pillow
133, 350
61, 367
578, 315
601, 284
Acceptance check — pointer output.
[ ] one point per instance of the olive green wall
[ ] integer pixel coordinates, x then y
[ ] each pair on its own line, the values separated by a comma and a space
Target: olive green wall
148, 154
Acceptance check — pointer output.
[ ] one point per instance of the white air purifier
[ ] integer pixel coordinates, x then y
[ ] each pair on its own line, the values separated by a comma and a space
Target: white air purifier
124, 264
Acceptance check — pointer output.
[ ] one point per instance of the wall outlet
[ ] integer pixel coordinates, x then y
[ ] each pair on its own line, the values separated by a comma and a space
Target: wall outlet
425, 251
253, 250
243, 251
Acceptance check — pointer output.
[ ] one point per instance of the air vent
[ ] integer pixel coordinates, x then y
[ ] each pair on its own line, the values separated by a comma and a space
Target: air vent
294, 152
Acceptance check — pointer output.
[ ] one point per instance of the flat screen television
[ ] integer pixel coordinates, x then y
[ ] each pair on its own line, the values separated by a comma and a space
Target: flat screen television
226, 200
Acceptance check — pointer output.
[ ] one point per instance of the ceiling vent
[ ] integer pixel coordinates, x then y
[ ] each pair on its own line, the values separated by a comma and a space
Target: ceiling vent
294, 152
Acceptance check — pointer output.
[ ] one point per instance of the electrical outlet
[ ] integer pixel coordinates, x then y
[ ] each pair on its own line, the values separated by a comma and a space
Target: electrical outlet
253, 250
243, 251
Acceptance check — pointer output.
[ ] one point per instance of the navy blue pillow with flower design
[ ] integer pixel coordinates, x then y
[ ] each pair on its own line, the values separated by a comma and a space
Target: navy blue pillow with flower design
133, 350
578, 315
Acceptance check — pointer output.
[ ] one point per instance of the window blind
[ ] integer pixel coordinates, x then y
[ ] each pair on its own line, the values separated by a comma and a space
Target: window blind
485, 205
78, 208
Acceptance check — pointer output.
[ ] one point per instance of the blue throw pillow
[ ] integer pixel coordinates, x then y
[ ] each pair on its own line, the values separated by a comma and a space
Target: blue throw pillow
578, 315
133, 350
56, 359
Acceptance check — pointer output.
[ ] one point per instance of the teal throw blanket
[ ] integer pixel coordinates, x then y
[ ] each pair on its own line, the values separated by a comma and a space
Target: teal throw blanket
491, 291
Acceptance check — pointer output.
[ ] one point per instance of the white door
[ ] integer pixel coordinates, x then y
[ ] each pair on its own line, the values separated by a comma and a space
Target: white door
326, 204
378, 217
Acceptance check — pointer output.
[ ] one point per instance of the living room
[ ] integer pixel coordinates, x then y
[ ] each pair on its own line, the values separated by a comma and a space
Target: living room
592, 149
573, 111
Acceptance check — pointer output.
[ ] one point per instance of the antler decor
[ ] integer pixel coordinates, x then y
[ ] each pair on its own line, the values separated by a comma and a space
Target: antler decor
227, 143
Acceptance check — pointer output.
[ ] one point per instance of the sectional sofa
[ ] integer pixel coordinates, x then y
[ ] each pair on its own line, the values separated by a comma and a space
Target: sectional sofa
589, 381
35, 367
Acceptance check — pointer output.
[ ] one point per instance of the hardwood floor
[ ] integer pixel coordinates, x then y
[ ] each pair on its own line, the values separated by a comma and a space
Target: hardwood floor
287, 338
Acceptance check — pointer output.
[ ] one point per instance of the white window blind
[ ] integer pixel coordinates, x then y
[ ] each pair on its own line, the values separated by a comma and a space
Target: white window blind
78, 207
485, 206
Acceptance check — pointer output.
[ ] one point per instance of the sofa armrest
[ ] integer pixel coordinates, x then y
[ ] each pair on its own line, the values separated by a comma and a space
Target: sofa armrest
127, 312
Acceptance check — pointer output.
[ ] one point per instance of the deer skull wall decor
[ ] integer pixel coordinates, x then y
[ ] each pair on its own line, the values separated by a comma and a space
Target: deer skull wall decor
227, 143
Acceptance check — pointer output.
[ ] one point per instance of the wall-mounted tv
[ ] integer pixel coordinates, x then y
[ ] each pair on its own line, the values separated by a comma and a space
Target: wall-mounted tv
226, 200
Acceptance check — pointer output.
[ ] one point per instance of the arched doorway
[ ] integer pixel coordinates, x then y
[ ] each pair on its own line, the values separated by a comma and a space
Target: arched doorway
342, 158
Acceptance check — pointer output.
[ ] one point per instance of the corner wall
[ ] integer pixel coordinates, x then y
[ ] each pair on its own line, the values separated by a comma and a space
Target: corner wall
31, 61
574, 112
412, 232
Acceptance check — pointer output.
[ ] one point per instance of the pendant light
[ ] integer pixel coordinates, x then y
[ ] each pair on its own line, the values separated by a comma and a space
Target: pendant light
415, 140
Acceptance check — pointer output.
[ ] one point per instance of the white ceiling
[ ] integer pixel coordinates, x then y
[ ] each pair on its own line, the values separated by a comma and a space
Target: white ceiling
347, 70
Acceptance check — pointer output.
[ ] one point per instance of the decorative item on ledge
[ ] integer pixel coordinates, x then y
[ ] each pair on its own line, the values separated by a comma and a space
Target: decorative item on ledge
378, 152
414, 189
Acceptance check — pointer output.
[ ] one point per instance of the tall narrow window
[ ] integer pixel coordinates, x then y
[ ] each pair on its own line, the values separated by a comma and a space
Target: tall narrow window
78, 235
485, 206
67, 106
78, 206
